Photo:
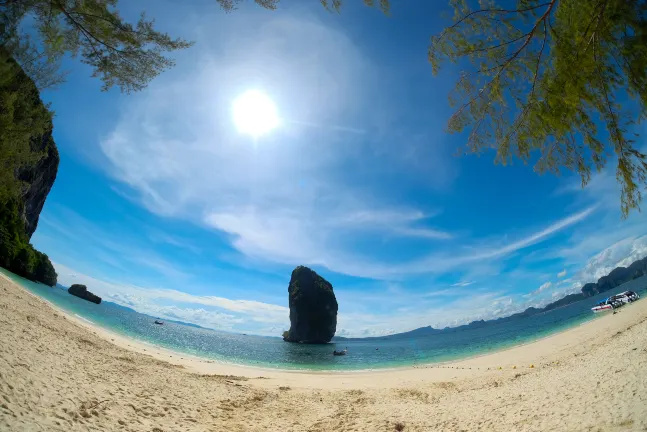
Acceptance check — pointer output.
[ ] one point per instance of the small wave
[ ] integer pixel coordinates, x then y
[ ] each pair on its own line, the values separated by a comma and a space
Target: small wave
83, 319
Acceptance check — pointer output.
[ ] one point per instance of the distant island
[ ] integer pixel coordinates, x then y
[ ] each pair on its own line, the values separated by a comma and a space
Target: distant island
81, 291
615, 278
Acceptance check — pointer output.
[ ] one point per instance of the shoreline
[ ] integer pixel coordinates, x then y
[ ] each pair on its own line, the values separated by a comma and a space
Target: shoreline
190, 360
60, 373
533, 352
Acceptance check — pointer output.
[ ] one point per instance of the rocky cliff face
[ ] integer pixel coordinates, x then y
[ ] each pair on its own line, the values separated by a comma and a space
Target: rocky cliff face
313, 308
38, 179
28, 155
28, 165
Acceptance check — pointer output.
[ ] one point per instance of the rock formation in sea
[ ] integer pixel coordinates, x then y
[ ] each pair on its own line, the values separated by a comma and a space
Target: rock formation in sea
81, 291
313, 308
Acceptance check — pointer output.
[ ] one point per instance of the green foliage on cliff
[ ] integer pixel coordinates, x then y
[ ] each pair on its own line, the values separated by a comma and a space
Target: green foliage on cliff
23, 117
16, 253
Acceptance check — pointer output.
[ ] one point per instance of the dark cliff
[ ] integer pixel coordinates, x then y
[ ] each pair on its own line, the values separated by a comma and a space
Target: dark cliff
37, 179
81, 291
313, 308
28, 165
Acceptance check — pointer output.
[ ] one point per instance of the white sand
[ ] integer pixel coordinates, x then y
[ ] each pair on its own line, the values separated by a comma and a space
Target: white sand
60, 373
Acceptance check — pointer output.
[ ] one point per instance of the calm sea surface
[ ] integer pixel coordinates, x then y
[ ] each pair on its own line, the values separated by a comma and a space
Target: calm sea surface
362, 353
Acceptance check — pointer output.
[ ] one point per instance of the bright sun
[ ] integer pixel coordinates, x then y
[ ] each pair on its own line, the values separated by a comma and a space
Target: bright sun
255, 113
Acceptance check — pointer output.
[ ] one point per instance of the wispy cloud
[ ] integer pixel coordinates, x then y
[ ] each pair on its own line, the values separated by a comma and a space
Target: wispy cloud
359, 181
209, 311
622, 253
288, 197
462, 284
81, 238
164, 238
542, 288
361, 314
538, 236
443, 262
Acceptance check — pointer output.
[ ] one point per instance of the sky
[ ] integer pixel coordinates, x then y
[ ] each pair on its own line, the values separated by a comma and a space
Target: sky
162, 205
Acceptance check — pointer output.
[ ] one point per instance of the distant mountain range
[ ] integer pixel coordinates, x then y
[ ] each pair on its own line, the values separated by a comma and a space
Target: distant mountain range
615, 278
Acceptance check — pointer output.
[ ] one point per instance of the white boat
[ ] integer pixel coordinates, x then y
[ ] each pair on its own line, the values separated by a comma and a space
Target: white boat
615, 301
602, 307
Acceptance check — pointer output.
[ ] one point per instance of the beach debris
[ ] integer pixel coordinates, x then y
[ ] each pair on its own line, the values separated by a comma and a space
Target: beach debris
399, 426
514, 367
96, 404
532, 366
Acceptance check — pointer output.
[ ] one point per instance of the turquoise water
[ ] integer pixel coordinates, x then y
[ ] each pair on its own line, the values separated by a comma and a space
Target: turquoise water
272, 352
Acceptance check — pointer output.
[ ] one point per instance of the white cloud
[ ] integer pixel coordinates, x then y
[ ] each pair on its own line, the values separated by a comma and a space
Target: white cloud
536, 237
285, 197
561, 274
114, 248
542, 288
622, 253
462, 284
160, 237
363, 314
208, 311
443, 262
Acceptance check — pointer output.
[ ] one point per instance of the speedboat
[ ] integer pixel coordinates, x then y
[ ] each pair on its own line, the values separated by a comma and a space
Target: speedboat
602, 307
158, 322
615, 301
340, 353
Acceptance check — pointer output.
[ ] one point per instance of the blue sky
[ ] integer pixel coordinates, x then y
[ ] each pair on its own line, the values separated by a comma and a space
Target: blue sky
162, 205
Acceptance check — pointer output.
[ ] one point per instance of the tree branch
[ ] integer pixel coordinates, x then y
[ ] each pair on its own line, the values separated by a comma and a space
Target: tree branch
504, 11
504, 66
541, 51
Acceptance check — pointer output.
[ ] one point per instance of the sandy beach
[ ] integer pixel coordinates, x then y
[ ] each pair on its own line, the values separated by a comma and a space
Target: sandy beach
60, 373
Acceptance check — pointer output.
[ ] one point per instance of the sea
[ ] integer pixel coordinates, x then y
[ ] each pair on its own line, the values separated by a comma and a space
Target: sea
363, 354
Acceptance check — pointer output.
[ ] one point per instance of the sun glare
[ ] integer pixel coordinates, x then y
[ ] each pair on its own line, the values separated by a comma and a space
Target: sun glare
255, 113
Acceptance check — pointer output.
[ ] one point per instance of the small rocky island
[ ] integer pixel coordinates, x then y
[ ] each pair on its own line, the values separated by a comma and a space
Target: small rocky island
81, 291
313, 308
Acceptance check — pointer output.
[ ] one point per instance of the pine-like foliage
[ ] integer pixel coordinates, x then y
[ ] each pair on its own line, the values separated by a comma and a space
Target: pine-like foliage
120, 53
564, 79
